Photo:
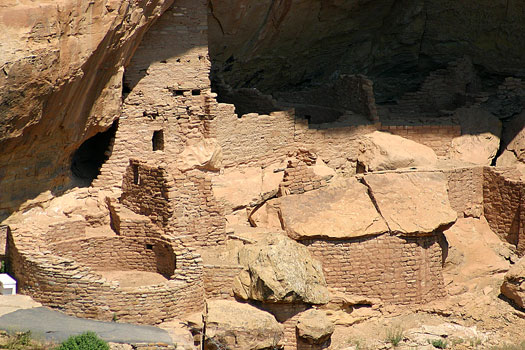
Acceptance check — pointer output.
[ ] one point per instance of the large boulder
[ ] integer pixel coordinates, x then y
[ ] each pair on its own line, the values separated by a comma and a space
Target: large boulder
341, 211
384, 151
201, 154
480, 139
314, 327
247, 187
237, 326
278, 269
513, 139
474, 256
412, 202
513, 286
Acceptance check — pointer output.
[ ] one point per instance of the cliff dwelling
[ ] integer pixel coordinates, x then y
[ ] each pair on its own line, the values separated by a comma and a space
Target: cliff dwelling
293, 172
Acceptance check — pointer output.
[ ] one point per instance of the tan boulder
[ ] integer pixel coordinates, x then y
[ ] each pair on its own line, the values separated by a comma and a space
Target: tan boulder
247, 187
278, 269
412, 202
344, 210
384, 151
237, 326
473, 257
314, 327
202, 154
480, 139
267, 215
513, 286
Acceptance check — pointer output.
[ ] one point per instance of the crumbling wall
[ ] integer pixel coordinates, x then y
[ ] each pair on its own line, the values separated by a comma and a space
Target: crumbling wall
299, 177
465, 190
437, 137
397, 270
148, 190
254, 139
443, 89
218, 280
503, 195
61, 282
356, 93
288, 315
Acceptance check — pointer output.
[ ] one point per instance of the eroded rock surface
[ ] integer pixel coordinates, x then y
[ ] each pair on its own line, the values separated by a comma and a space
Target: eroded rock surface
279, 269
341, 211
384, 151
513, 286
314, 327
412, 202
238, 326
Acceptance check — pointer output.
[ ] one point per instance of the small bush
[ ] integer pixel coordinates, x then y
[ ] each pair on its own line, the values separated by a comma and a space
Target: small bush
394, 335
84, 341
439, 343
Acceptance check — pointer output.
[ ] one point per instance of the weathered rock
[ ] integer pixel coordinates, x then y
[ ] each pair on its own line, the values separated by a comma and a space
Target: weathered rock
513, 286
412, 202
480, 139
247, 187
203, 154
279, 269
344, 210
384, 151
238, 326
62, 64
513, 139
314, 327
472, 258
267, 215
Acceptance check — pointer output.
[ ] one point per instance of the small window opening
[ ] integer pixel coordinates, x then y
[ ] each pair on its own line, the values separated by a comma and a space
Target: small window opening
136, 178
149, 246
158, 140
195, 92
179, 92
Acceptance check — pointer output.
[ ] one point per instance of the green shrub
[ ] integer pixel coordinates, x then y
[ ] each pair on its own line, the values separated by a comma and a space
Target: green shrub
439, 343
394, 335
84, 341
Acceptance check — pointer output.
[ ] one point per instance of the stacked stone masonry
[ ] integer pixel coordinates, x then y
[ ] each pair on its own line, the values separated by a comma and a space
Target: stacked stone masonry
503, 196
218, 280
68, 279
397, 270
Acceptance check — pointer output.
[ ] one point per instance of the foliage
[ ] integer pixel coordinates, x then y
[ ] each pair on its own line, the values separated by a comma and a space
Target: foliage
84, 341
19, 341
439, 343
394, 335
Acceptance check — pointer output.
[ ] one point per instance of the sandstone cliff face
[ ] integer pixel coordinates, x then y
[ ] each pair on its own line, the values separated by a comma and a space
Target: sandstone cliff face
61, 66
275, 45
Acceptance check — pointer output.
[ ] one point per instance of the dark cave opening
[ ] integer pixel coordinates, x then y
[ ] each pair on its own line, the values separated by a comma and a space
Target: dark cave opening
91, 155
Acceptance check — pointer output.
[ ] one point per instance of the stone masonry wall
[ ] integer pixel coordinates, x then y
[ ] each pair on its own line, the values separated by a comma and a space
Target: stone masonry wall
437, 137
119, 253
218, 281
254, 139
502, 205
62, 283
298, 177
356, 93
182, 202
397, 270
465, 190
148, 190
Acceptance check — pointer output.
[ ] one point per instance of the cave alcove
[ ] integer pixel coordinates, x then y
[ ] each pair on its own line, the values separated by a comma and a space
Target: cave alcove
91, 155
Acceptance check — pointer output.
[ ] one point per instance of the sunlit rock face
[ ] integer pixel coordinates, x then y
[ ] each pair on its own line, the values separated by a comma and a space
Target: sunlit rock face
61, 67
